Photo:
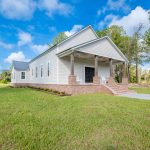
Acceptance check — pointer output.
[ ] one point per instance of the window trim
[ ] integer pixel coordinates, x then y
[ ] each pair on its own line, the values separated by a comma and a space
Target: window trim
41, 71
23, 77
36, 72
48, 69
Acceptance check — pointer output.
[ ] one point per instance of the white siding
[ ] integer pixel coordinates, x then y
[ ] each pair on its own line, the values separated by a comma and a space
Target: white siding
79, 70
50, 58
16, 76
84, 36
102, 48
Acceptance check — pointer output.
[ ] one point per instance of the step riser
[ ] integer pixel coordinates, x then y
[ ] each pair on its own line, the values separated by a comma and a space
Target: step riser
119, 89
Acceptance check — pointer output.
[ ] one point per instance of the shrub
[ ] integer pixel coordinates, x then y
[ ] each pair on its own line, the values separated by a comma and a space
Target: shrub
4, 81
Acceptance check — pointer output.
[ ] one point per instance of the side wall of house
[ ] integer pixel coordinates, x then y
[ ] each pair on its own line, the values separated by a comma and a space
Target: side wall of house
13, 75
16, 76
43, 61
79, 70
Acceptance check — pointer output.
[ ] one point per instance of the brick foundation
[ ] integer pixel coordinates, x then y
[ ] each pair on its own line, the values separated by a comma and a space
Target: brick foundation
72, 80
96, 80
69, 89
110, 80
125, 81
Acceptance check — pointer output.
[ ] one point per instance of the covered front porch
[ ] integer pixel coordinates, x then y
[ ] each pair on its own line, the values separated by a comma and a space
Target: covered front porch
93, 74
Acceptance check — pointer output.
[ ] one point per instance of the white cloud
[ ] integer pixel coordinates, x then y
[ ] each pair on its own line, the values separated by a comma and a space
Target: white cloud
132, 20
106, 21
74, 29
39, 48
17, 9
18, 56
6, 45
117, 5
114, 6
24, 38
55, 7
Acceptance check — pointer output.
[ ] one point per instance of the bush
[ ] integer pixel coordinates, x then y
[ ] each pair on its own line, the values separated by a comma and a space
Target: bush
4, 81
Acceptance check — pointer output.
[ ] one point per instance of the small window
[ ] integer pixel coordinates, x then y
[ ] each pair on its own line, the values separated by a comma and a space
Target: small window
41, 71
22, 75
48, 71
36, 70
32, 72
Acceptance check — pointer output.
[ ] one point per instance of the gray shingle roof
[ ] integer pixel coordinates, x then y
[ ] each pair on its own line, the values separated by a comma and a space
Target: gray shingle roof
20, 66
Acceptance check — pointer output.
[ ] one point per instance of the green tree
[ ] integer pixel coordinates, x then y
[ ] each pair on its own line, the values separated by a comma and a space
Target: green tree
147, 37
5, 76
123, 42
147, 45
59, 38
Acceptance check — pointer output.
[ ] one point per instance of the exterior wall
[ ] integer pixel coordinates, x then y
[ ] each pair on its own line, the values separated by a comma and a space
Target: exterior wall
102, 48
13, 73
50, 58
16, 77
79, 70
82, 37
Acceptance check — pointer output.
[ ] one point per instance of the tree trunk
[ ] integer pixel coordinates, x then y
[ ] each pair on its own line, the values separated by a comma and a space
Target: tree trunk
137, 75
129, 74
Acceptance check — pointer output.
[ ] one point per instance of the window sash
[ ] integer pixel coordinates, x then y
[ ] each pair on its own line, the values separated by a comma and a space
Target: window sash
48, 72
22, 75
41, 71
36, 70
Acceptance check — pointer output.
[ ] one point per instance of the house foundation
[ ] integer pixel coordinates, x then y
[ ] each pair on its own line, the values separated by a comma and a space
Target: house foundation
69, 89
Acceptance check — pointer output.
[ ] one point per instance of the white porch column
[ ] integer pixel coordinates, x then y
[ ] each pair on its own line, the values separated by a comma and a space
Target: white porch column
124, 75
110, 80
96, 78
72, 77
72, 64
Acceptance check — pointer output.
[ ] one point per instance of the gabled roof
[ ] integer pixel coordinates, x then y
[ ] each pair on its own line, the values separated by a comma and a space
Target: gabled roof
87, 27
75, 34
20, 66
78, 47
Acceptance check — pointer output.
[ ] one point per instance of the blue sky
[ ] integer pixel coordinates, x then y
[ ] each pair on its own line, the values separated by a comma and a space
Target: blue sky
27, 26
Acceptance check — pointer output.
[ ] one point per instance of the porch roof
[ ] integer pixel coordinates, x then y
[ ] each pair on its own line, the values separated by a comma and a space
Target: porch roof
103, 47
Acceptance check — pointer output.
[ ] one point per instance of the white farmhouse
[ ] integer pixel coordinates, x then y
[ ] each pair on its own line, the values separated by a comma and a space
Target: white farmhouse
83, 63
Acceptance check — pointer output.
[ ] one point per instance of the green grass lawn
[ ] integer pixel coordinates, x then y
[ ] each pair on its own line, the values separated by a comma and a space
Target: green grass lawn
35, 120
144, 90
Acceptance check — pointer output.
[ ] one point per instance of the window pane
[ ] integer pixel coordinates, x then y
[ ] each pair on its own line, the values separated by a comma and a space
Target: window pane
41, 71
48, 69
22, 75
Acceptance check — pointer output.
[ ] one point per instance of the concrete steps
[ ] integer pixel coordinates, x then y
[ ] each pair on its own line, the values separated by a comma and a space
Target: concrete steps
118, 89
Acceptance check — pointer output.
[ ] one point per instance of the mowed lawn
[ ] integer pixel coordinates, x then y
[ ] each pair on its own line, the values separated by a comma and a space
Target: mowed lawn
36, 120
144, 90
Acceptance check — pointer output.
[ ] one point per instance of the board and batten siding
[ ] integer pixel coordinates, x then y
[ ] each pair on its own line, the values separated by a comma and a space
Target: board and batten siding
51, 58
102, 48
79, 69
82, 37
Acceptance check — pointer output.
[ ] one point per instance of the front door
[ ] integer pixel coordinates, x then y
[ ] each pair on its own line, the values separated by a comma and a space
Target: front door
89, 74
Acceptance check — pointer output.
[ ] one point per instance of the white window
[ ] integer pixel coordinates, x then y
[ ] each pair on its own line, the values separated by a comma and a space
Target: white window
22, 75
48, 70
41, 70
36, 70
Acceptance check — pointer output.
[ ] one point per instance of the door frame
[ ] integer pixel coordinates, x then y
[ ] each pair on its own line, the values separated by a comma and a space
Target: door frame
88, 66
